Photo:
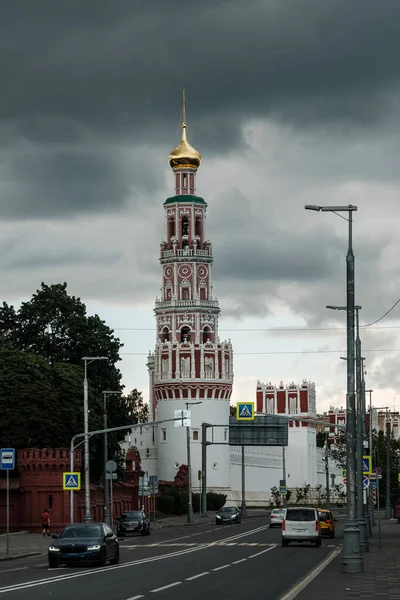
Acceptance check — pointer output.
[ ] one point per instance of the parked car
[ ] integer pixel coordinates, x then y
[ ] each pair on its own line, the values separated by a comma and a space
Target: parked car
228, 514
301, 525
84, 543
277, 517
327, 522
131, 522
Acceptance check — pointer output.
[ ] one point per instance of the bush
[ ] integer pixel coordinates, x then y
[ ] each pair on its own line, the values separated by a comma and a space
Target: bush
174, 501
214, 501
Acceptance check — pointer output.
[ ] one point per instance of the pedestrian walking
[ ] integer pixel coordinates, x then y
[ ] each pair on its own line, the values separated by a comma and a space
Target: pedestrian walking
45, 523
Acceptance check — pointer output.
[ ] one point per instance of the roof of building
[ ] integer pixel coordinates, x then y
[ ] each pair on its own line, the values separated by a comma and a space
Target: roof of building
185, 198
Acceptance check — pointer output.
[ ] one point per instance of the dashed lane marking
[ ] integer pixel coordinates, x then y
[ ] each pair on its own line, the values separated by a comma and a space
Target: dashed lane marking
166, 587
201, 544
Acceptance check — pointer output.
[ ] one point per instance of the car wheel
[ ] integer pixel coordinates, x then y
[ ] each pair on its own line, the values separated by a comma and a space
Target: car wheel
53, 565
103, 558
285, 543
318, 543
115, 560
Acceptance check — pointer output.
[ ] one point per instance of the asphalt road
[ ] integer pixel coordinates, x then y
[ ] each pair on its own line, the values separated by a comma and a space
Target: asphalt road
237, 561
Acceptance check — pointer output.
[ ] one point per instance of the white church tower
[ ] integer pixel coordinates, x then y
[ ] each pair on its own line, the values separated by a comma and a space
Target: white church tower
190, 363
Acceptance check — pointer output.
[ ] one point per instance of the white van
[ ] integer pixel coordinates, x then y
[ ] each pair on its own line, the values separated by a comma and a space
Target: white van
301, 525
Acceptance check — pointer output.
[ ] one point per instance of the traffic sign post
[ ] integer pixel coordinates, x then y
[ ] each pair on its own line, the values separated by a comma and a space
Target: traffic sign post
7, 465
283, 490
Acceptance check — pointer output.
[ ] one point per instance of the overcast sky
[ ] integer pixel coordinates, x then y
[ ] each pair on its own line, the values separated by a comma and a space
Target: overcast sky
289, 102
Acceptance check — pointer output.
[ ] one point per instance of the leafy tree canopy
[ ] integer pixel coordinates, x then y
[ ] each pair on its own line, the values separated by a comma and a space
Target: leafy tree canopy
41, 375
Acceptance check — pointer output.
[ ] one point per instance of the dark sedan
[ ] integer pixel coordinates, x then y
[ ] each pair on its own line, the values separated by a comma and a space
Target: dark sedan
84, 543
131, 522
228, 514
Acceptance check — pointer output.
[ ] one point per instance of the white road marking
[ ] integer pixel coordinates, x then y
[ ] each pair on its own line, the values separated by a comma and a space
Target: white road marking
166, 587
220, 568
262, 552
16, 569
136, 597
197, 576
48, 580
43, 565
295, 591
252, 544
236, 562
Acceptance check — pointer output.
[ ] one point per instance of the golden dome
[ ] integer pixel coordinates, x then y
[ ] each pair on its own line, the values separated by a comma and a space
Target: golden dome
184, 155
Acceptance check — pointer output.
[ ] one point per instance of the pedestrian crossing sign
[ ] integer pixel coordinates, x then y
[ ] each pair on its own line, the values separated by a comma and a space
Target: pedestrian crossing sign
71, 481
245, 411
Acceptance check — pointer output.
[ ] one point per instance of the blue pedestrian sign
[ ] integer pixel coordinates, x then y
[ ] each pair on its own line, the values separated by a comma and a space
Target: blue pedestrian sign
245, 411
7, 459
367, 465
71, 481
283, 490
374, 485
365, 482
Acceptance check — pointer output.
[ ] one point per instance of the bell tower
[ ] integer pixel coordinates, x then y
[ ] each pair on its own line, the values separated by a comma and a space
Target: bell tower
190, 363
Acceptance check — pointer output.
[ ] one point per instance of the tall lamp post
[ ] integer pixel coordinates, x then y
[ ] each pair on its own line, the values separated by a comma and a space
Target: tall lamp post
362, 524
352, 561
87, 360
106, 512
190, 517
370, 505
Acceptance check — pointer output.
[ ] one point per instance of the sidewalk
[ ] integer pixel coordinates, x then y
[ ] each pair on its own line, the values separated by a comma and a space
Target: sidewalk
381, 577
24, 545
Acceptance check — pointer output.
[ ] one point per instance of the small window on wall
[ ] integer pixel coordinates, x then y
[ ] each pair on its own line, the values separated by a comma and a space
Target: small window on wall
225, 435
195, 435
50, 501
163, 433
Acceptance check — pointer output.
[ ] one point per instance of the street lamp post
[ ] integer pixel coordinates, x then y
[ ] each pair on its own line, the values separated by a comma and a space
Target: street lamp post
106, 512
190, 517
352, 558
87, 360
370, 505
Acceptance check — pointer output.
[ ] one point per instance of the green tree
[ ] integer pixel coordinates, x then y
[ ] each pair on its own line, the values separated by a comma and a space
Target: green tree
55, 328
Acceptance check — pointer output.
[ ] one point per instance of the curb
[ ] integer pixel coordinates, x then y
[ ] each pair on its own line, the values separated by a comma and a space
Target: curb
16, 556
14, 533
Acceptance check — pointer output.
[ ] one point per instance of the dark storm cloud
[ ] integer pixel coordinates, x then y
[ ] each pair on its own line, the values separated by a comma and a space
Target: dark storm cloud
90, 71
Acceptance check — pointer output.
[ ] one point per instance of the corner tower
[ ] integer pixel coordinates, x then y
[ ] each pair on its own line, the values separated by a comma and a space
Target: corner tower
190, 363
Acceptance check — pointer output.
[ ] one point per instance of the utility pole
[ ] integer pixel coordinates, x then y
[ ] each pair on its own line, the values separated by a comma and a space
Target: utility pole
352, 561
388, 501
328, 493
284, 500
106, 512
364, 544
243, 509
204, 444
371, 452
368, 492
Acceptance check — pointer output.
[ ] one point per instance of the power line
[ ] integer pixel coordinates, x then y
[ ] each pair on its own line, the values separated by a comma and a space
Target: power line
275, 329
383, 316
281, 352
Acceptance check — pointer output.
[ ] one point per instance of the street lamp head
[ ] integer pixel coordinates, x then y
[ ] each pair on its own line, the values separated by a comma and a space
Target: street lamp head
336, 307
343, 358
95, 358
313, 207
111, 392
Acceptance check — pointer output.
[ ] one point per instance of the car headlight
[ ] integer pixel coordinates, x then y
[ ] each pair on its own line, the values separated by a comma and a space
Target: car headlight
233, 516
94, 547
54, 549
218, 517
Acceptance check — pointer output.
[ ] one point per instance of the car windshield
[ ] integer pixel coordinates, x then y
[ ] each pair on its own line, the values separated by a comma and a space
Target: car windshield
87, 531
228, 509
277, 512
298, 514
135, 516
324, 516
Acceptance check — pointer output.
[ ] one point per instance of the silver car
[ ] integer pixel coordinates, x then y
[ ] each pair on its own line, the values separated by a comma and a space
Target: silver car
277, 517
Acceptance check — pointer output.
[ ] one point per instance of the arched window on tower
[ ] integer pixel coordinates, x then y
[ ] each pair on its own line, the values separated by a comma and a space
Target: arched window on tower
185, 334
165, 334
197, 227
185, 226
184, 183
206, 334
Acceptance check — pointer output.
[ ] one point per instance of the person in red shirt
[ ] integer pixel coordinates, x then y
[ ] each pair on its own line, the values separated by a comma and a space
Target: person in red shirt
45, 523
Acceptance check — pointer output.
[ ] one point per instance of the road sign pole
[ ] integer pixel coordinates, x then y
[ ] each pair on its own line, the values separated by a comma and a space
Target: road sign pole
8, 512
243, 508
284, 499
71, 494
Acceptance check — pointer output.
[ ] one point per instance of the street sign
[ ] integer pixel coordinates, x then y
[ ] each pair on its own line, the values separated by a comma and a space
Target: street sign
344, 480
153, 483
398, 477
265, 430
71, 481
111, 466
7, 459
283, 490
379, 470
344, 473
365, 482
111, 476
374, 485
182, 418
367, 465
245, 411
372, 476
